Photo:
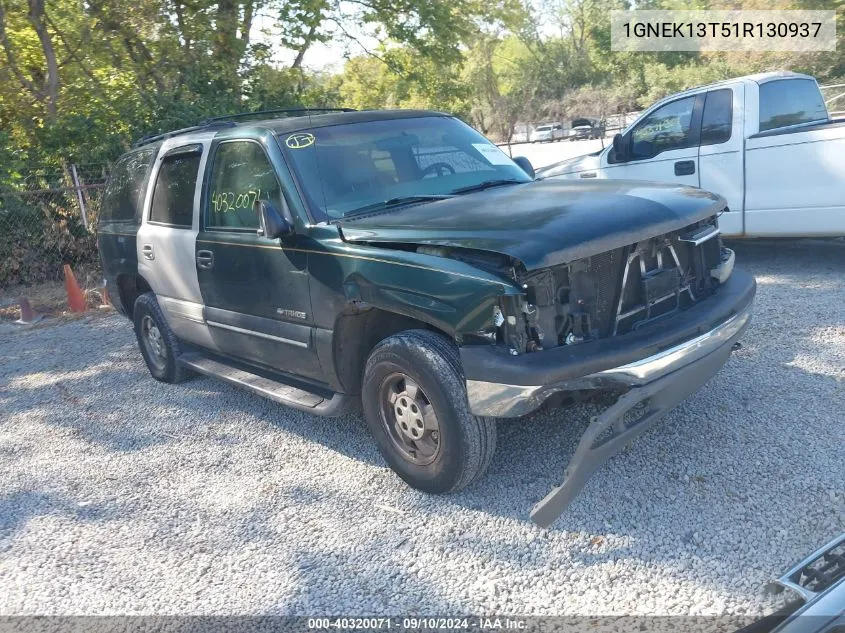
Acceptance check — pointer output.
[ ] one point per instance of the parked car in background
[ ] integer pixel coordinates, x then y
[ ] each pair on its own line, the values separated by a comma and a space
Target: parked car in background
547, 132
765, 142
585, 129
817, 584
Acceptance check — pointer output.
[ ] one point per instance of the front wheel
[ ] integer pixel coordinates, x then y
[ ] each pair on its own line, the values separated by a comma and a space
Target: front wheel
415, 404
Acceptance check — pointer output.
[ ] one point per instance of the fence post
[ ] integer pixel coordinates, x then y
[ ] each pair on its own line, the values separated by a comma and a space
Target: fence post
79, 197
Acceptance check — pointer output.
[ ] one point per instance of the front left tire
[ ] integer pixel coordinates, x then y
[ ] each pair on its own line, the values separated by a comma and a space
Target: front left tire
415, 404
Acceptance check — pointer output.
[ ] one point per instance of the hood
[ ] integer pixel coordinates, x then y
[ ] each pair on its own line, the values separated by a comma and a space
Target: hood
571, 165
541, 223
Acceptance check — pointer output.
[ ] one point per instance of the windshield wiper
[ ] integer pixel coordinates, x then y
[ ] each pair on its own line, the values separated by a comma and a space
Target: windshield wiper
487, 184
395, 202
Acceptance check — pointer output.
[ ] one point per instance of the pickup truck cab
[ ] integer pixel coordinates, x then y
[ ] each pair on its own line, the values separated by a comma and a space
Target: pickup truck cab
400, 262
766, 143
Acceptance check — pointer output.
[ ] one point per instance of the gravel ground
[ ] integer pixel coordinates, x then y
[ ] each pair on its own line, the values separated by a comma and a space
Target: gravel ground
123, 495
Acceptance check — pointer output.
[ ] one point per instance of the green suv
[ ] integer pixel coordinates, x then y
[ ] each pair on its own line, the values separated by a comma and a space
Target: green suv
400, 262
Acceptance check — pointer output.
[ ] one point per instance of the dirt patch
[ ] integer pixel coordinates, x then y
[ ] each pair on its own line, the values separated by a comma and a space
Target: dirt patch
49, 298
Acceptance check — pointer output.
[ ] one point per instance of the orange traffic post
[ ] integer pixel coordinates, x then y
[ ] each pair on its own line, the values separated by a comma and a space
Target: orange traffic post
75, 298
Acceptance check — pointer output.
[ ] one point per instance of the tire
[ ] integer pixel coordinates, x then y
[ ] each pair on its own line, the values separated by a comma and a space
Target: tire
163, 366
465, 443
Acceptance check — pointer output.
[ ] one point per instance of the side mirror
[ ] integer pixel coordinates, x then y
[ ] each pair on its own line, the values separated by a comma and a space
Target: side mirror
525, 165
272, 224
619, 148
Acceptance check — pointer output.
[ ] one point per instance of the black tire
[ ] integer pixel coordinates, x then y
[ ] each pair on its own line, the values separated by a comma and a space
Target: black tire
465, 442
164, 368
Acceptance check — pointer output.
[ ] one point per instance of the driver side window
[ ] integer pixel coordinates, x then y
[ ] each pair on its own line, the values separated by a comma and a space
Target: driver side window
667, 128
241, 174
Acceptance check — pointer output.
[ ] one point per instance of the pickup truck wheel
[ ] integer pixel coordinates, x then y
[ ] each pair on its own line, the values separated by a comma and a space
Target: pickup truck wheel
159, 345
415, 404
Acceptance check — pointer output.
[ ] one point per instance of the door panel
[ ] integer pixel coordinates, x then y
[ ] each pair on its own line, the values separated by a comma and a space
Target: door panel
256, 293
663, 146
720, 157
167, 237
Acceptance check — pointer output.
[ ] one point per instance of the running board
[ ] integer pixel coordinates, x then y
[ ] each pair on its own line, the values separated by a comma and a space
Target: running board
276, 390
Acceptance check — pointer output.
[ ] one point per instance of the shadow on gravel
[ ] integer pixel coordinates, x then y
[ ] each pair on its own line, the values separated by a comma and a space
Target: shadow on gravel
696, 467
19, 508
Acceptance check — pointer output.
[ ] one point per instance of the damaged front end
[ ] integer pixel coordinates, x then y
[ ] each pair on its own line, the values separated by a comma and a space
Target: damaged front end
649, 322
619, 291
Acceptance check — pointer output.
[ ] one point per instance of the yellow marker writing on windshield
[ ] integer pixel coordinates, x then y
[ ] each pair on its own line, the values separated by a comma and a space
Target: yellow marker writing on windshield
300, 140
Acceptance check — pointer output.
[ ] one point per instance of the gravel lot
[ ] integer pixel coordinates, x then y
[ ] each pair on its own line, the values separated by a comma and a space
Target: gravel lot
123, 495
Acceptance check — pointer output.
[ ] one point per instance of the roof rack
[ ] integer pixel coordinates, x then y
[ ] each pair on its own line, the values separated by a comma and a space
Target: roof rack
153, 138
293, 111
226, 121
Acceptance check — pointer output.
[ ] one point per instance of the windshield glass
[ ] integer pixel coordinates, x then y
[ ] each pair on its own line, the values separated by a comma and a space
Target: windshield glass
344, 168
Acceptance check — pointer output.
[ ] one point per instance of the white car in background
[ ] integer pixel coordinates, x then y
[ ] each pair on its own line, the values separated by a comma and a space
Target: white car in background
547, 132
766, 143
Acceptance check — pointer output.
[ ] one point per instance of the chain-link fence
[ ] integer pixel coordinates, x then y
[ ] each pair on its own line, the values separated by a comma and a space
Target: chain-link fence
48, 218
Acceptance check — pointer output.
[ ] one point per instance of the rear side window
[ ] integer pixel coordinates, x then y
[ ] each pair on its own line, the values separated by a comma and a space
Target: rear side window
173, 197
124, 192
788, 102
718, 117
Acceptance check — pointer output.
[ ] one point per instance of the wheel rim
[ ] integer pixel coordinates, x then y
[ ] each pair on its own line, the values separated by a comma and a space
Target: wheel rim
409, 419
153, 341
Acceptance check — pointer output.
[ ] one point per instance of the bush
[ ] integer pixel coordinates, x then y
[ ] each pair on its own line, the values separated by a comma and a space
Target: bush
39, 232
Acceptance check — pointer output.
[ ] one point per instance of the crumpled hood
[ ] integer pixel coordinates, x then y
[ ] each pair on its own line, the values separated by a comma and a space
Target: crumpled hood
571, 165
541, 223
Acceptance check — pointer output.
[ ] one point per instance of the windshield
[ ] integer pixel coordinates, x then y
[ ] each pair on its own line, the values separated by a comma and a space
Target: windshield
358, 166
544, 128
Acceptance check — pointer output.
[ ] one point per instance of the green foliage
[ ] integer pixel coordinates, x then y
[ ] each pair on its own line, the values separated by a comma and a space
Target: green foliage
80, 81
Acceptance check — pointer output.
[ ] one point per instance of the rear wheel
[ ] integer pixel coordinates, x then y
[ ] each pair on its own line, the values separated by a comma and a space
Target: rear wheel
415, 404
159, 345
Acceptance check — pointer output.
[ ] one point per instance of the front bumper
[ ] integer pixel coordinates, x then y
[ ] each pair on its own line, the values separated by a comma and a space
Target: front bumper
506, 386
655, 369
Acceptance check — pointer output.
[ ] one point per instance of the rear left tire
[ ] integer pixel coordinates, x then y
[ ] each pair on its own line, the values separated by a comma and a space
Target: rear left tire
159, 345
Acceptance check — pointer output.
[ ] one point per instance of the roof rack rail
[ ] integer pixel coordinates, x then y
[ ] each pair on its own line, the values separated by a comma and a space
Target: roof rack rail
294, 111
152, 138
226, 121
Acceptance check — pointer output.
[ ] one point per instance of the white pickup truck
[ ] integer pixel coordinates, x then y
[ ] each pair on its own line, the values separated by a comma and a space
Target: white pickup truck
765, 142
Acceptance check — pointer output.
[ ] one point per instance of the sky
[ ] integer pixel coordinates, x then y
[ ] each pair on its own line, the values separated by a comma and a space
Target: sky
321, 56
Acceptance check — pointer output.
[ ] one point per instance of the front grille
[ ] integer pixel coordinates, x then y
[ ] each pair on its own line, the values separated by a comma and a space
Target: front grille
607, 270
618, 291
820, 571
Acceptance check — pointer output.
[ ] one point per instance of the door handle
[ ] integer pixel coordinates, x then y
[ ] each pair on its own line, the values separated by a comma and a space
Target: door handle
205, 259
147, 250
685, 168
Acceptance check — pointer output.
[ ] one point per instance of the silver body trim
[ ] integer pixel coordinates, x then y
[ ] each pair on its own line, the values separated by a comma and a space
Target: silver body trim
269, 337
182, 309
700, 238
502, 400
